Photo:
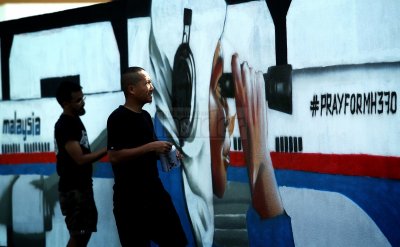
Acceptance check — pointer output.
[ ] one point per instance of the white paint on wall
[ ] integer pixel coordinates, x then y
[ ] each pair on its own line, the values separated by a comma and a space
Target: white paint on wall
58, 236
89, 51
106, 235
324, 33
6, 207
322, 218
374, 134
336, 132
138, 42
107, 229
250, 32
47, 109
11, 11
27, 205
98, 107
138, 49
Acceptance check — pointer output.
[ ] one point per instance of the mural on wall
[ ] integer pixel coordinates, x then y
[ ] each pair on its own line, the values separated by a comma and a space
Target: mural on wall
287, 121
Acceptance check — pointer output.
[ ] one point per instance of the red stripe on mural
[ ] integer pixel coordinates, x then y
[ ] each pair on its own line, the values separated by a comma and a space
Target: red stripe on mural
343, 164
27, 158
104, 159
30, 158
236, 159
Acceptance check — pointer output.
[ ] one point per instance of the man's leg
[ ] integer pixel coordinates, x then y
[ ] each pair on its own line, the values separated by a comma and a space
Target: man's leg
132, 226
81, 215
166, 228
79, 241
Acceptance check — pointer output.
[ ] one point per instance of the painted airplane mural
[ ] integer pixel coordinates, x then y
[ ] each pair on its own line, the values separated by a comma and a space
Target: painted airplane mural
287, 121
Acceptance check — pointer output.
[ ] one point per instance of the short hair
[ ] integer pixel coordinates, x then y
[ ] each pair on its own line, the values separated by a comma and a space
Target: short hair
65, 90
130, 76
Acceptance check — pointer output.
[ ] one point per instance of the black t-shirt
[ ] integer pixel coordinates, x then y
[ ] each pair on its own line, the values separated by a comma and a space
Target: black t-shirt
138, 177
72, 175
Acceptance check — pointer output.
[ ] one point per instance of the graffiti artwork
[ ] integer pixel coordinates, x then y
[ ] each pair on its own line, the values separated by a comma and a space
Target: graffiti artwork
286, 116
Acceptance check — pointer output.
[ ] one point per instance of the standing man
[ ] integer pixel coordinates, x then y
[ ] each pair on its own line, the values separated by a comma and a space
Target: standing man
143, 209
74, 166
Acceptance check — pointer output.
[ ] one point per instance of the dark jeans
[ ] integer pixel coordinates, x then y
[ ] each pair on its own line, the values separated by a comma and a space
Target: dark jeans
155, 220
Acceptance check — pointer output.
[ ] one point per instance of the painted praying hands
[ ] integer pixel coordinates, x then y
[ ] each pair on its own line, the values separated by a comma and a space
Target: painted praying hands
252, 117
251, 110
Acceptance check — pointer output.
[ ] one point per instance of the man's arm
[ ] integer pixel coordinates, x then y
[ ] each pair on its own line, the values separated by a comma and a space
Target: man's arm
120, 156
75, 151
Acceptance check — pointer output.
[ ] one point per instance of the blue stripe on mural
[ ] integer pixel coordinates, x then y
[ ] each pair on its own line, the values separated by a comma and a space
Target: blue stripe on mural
103, 170
237, 174
276, 231
378, 197
26, 169
384, 192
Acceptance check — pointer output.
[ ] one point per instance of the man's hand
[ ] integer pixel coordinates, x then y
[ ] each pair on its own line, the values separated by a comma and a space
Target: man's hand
161, 147
124, 155
75, 151
179, 155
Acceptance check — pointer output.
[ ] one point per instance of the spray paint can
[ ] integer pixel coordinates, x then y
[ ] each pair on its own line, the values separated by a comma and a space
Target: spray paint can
165, 164
173, 160
170, 160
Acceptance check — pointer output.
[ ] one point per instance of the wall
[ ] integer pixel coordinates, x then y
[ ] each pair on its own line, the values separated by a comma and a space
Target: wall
11, 11
286, 113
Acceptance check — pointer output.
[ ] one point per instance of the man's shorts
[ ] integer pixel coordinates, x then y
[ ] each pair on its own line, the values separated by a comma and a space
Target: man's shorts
80, 211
